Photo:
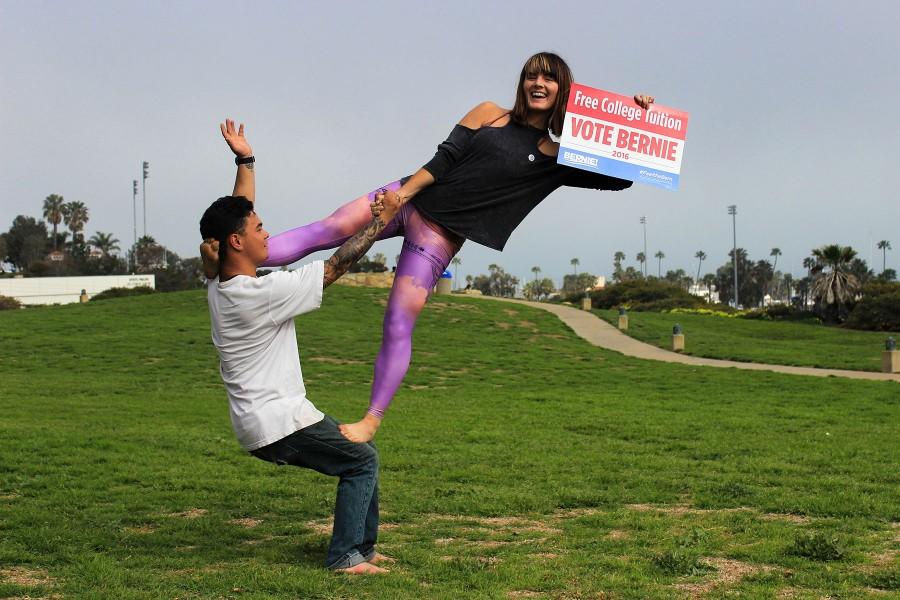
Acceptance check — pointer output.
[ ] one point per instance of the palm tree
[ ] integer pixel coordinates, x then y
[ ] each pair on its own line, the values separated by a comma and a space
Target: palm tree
659, 254
808, 263
75, 214
709, 279
575, 262
642, 258
53, 212
701, 256
535, 270
776, 252
787, 284
884, 246
104, 242
456, 262
836, 286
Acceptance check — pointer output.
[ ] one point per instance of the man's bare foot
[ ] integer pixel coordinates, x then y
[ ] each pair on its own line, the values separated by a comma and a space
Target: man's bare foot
380, 558
363, 568
361, 431
209, 254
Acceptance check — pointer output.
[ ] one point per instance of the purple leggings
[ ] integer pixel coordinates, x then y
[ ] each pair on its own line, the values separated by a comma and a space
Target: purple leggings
427, 250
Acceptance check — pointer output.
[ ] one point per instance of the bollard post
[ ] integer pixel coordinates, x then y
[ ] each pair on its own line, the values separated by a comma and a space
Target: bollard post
623, 319
677, 339
586, 303
890, 358
444, 284
83, 297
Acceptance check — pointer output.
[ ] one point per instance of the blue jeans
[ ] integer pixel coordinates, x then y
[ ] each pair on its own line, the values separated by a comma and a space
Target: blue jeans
322, 447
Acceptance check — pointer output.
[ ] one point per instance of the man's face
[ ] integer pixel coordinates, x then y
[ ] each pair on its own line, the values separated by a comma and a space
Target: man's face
254, 239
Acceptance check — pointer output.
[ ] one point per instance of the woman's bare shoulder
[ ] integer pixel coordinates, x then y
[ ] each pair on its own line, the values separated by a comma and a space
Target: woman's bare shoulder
483, 114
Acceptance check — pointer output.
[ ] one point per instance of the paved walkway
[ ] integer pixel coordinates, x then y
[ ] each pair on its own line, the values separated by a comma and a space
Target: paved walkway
600, 333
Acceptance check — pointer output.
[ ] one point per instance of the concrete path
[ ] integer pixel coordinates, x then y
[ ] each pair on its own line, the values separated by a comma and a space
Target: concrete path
600, 333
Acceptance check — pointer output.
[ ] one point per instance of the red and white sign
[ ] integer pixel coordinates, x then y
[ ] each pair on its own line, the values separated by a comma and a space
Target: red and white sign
609, 133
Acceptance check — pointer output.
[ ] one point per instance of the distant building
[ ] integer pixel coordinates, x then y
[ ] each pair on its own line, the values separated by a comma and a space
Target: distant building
67, 290
704, 292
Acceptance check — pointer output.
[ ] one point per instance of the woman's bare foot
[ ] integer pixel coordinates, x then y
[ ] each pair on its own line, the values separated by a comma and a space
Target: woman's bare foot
209, 254
361, 431
363, 568
380, 558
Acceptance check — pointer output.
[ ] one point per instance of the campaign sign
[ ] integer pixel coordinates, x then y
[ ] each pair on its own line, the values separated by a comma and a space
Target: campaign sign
610, 134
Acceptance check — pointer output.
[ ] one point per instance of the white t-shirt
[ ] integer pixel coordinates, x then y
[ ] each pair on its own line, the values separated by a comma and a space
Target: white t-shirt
253, 330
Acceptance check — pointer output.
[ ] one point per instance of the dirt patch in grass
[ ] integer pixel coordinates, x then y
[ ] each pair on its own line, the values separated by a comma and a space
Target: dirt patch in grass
526, 324
335, 361
140, 529
547, 555
788, 592
882, 559
727, 572
9, 496
502, 325
258, 541
517, 524
618, 534
26, 577
524, 594
246, 522
798, 519
574, 513
193, 513
683, 509
321, 526
510, 312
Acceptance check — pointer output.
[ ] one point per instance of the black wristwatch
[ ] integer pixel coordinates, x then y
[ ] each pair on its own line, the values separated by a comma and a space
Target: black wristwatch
247, 160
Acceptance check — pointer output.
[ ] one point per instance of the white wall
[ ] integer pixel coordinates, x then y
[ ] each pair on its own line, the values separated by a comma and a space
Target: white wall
66, 290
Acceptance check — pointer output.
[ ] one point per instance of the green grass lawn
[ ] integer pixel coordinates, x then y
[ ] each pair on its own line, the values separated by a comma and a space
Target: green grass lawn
774, 342
517, 462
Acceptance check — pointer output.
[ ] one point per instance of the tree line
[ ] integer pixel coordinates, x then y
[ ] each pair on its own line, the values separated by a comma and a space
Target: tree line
39, 247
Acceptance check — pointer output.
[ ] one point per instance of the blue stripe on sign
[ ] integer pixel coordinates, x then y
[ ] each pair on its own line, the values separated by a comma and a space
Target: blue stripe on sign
617, 168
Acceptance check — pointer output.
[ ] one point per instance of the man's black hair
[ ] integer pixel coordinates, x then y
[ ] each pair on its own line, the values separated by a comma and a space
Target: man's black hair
225, 216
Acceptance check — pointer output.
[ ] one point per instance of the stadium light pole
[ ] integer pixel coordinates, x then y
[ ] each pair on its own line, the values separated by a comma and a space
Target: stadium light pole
732, 210
144, 191
134, 223
644, 223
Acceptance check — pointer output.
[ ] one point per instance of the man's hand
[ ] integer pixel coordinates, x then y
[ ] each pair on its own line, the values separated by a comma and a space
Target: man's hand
384, 209
386, 205
641, 100
235, 139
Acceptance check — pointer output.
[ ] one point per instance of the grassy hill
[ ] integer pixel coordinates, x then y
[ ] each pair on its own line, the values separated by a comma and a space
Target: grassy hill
800, 344
517, 461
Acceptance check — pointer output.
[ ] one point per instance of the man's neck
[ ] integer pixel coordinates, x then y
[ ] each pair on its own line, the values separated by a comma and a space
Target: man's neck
233, 268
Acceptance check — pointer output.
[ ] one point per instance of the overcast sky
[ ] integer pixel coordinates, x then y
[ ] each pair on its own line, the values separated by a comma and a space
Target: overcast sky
791, 108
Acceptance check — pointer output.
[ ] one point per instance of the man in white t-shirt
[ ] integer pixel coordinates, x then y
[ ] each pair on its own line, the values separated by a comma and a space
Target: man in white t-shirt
253, 331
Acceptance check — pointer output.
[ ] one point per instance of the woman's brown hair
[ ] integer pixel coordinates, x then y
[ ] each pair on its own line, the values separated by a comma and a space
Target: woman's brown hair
545, 63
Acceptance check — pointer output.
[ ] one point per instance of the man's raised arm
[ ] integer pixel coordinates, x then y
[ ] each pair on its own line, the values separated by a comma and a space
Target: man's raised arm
244, 185
386, 205
245, 180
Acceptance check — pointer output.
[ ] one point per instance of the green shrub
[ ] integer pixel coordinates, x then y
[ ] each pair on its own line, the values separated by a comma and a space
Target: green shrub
680, 561
818, 546
878, 309
645, 294
780, 312
118, 292
7, 303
